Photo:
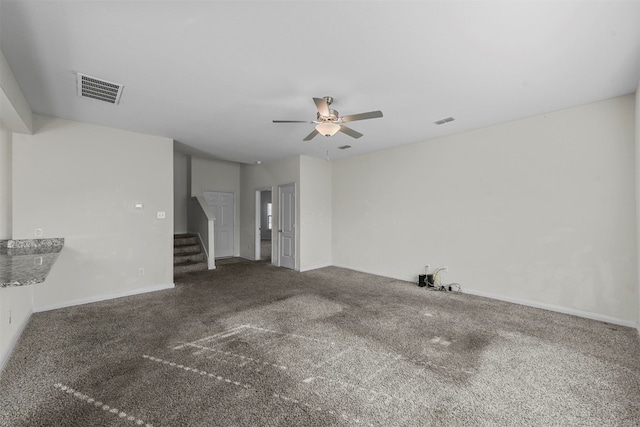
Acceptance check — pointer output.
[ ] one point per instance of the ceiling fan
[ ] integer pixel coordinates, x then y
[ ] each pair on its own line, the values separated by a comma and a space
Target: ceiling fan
329, 122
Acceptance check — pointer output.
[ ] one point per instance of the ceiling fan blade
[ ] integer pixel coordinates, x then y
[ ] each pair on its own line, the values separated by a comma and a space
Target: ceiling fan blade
323, 107
352, 133
362, 116
291, 121
311, 135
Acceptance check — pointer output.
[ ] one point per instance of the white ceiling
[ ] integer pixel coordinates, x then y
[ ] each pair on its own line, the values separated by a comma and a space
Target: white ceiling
212, 75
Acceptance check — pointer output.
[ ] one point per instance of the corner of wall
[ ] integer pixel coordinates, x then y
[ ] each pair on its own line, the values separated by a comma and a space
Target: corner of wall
16, 113
315, 213
6, 182
11, 344
16, 304
637, 167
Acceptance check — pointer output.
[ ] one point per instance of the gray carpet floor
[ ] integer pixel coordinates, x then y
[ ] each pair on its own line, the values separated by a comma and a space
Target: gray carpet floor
250, 344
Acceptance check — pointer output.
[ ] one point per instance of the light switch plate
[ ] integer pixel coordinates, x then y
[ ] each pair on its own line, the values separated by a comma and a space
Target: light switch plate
161, 215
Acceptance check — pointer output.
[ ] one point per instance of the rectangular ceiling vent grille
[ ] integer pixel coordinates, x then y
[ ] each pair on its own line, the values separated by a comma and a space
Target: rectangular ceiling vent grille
445, 120
92, 87
344, 147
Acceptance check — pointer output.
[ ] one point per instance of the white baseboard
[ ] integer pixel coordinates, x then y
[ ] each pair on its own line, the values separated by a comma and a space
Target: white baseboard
315, 267
557, 308
544, 306
104, 297
375, 273
5, 357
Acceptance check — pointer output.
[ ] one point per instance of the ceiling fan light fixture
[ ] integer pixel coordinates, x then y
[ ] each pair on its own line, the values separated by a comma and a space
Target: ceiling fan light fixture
329, 122
327, 128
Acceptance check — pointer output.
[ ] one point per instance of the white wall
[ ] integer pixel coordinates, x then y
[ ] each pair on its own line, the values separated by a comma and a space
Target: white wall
81, 182
539, 210
637, 157
16, 304
315, 213
180, 192
254, 177
5, 182
218, 175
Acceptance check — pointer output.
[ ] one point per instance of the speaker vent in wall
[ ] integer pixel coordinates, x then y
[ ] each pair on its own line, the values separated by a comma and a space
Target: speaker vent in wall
92, 87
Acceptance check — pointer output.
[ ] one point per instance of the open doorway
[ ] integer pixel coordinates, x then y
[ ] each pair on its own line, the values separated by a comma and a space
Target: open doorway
264, 224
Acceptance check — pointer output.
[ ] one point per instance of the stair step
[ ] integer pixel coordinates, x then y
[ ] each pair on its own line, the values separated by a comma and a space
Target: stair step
187, 254
186, 249
184, 257
188, 267
193, 252
185, 239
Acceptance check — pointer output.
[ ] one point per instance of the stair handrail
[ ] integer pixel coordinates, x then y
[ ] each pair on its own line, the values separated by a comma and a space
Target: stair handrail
201, 221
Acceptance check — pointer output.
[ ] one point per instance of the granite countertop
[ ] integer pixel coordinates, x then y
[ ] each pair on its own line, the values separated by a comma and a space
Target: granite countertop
28, 261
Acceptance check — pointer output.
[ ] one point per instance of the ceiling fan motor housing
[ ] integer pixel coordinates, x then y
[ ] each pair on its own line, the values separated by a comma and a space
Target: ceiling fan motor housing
332, 117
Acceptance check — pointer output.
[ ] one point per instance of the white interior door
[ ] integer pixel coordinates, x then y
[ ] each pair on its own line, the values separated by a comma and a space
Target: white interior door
287, 230
222, 205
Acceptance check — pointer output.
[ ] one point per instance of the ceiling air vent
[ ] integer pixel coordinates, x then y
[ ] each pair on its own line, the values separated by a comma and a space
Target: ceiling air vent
92, 87
344, 147
443, 121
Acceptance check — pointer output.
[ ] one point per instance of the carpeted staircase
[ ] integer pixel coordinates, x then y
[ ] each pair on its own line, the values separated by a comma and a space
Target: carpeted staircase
188, 255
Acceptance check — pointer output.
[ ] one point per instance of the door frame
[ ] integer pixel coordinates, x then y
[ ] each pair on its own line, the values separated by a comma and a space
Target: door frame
258, 216
295, 223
